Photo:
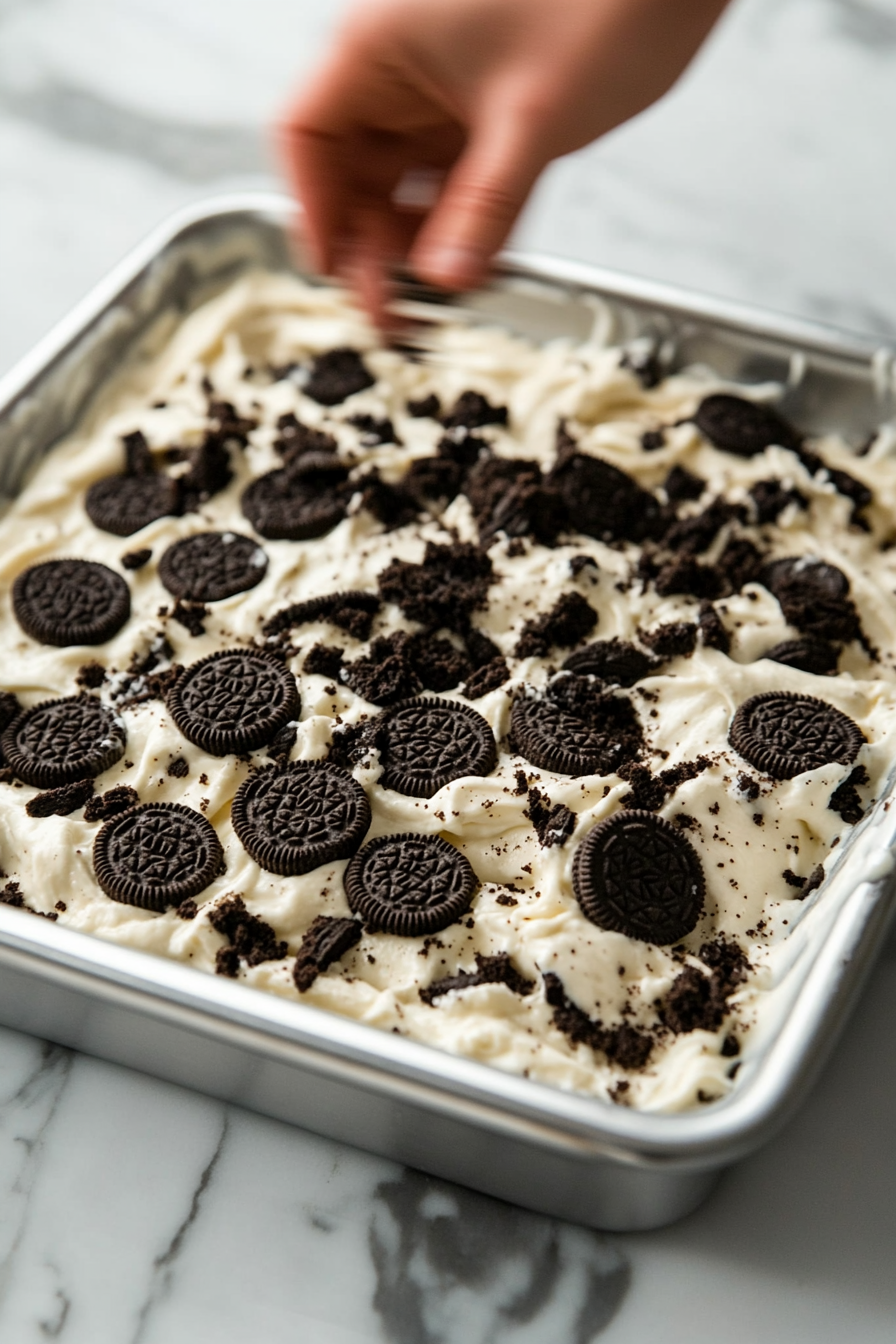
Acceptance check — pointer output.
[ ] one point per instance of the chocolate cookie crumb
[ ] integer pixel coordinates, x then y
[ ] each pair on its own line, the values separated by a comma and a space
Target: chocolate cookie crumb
712, 631
191, 615
444, 590
425, 408
178, 768
110, 804
472, 410
326, 941
627, 1046
845, 799
699, 1002
676, 639
567, 623
90, 676
486, 678
250, 938
136, 559
324, 660
187, 909
554, 822
496, 970
61, 802
812, 882
682, 484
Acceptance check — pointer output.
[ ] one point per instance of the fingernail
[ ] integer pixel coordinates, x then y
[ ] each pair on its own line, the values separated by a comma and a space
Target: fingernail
451, 266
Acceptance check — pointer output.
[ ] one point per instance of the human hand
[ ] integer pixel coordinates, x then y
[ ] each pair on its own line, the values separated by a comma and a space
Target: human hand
478, 96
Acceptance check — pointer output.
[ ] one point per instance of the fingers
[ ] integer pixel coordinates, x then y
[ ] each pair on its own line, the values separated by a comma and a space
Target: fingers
482, 197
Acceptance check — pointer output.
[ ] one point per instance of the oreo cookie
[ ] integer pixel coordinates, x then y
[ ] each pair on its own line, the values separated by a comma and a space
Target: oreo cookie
295, 817
601, 501
212, 566
784, 734
613, 661
425, 744
814, 579
61, 741
637, 874
806, 655
743, 427
336, 375
409, 885
157, 855
284, 506
65, 602
233, 701
351, 611
123, 504
549, 735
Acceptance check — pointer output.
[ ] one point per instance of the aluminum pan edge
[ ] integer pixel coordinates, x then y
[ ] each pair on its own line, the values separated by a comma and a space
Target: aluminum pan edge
482, 1095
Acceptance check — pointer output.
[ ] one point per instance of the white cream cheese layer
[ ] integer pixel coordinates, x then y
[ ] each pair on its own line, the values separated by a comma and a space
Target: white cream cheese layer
525, 906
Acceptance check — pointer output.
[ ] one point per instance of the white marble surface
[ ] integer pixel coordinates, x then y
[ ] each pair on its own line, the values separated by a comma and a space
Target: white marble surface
131, 1211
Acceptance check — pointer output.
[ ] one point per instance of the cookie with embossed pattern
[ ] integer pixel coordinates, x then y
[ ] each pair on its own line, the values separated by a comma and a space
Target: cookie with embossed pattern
410, 884
296, 817
233, 701
157, 855
212, 566
636, 874
65, 602
424, 744
60, 741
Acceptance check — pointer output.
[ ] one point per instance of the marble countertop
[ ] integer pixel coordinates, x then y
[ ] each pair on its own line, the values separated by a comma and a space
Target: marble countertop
132, 1212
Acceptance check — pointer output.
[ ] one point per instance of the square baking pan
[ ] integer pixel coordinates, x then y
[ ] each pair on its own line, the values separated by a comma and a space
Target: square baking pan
557, 1152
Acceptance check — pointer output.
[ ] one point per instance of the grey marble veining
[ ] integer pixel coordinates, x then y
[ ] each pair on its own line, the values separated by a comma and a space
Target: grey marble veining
132, 1212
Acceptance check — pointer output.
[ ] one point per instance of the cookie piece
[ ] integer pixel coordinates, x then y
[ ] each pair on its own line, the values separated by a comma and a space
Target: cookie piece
212, 566
568, 622
806, 655
296, 817
66, 602
549, 735
283, 506
124, 504
603, 502
351, 611
134, 560
743, 427
472, 411
813, 597
409, 884
636, 874
613, 661
156, 855
61, 741
784, 734
425, 744
233, 701
61, 802
326, 941
336, 375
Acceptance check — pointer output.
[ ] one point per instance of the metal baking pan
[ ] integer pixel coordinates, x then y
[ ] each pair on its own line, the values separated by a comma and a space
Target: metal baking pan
553, 1151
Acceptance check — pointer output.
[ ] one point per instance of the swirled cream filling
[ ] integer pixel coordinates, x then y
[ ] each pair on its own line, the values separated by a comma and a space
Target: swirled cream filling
747, 829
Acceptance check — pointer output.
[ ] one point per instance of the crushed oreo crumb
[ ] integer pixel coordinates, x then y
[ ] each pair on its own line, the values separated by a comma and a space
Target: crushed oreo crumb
496, 970
61, 802
250, 938
111, 803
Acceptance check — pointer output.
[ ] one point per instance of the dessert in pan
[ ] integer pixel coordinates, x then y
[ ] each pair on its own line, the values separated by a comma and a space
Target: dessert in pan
513, 701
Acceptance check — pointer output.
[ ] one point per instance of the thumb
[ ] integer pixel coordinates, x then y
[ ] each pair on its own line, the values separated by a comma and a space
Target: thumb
480, 201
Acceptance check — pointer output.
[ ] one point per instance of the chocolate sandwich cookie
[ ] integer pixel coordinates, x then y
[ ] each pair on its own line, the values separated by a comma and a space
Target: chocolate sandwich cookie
66, 602
351, 611
806, 655
212, 566
336, 375
283, 506
814, 579
233, 701
743, 427
295, 817
784, 734
326, 941
550, 737
124, 504
409, 884
636, 874
157, 855
60, 741
612, 661
424, 744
